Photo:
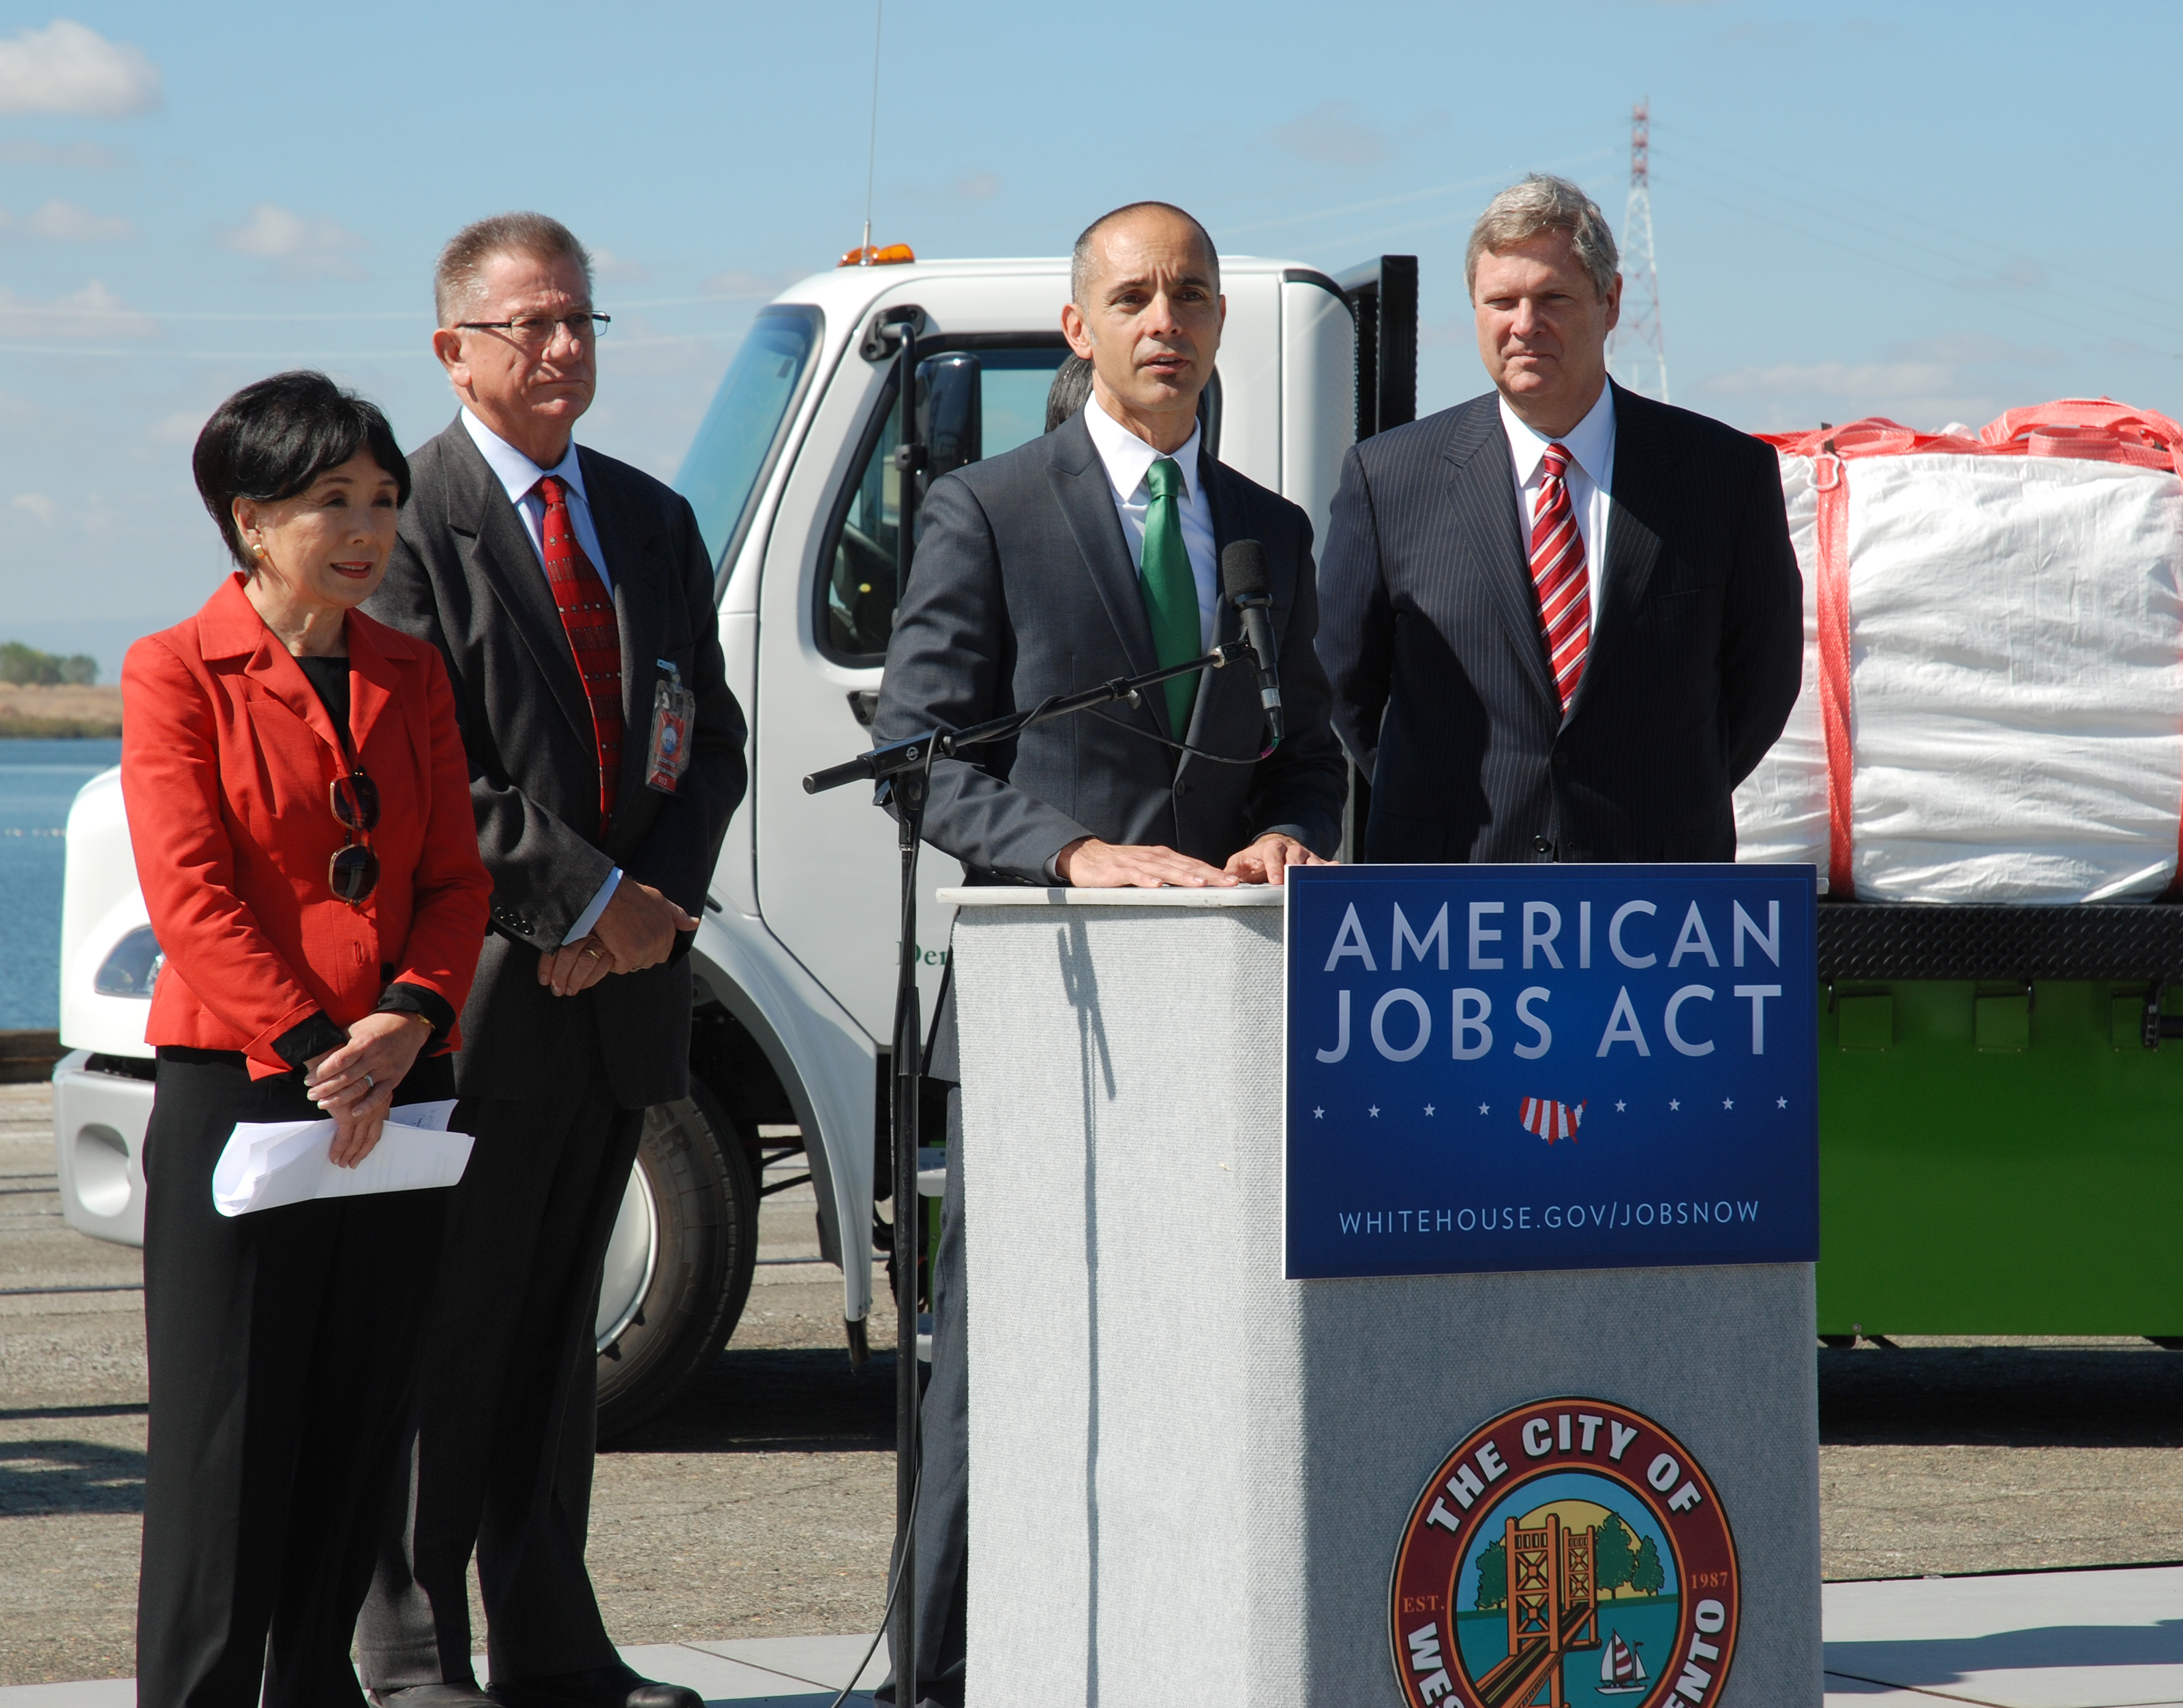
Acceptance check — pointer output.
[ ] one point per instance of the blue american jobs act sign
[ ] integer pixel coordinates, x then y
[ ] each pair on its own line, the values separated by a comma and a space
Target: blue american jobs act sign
1503, 1067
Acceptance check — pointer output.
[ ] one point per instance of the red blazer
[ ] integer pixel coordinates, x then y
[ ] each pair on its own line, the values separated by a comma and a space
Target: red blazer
227, 754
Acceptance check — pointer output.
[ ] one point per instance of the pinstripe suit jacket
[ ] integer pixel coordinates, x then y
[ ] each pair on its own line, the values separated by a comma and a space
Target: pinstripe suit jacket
1442, 693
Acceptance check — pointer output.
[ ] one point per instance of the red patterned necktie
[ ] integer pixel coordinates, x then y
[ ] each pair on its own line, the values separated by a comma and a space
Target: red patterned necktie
587, 616
1557, 572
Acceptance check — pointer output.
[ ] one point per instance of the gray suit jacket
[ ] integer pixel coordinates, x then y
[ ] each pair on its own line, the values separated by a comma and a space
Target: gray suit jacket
1023, 588
1442, 689
465, 577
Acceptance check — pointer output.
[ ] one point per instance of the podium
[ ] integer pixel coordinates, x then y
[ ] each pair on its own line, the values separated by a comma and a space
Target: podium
1190, 1477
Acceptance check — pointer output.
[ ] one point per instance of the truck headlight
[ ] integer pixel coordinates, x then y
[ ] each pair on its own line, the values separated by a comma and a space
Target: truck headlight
132, 966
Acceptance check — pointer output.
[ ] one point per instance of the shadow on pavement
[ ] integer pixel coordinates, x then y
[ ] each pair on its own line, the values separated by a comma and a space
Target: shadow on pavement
42, 1478
2001, 1396
772, 1400
1953, 1660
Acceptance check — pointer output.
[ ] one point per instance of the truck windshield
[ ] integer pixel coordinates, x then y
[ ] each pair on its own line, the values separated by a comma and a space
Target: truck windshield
736, 442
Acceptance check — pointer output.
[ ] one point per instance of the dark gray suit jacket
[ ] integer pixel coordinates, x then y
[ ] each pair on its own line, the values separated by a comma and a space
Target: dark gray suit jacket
1442, 690
465, 577
1023, 588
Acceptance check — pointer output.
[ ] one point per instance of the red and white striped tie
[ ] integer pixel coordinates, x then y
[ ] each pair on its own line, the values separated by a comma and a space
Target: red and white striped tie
1557, 571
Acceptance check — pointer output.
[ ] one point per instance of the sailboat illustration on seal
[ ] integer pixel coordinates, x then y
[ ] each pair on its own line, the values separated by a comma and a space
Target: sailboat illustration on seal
1621, 1673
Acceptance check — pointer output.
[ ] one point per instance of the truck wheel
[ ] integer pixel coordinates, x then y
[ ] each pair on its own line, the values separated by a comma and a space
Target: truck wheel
679, 1265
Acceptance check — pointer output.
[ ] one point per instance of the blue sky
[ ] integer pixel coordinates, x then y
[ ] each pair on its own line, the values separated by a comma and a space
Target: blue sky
1931, 211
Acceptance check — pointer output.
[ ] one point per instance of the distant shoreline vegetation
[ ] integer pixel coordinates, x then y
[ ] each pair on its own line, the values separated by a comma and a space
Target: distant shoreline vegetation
13, 727
44, 697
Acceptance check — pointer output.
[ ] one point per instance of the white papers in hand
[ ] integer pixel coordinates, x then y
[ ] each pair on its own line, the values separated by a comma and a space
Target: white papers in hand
268, 1164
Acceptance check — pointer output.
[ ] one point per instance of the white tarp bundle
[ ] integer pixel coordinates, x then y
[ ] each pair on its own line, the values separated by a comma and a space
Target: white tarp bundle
1992, 702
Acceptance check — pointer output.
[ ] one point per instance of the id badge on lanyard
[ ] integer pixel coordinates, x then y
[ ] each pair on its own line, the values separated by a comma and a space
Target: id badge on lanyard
673, 709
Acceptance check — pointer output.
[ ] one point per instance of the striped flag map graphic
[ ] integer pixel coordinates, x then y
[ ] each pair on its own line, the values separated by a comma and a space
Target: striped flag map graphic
1552, 1121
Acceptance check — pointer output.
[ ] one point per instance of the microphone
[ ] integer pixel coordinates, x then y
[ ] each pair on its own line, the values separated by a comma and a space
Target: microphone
1243, 579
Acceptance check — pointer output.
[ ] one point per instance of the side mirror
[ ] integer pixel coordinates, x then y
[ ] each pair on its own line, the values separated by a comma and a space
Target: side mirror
950, 413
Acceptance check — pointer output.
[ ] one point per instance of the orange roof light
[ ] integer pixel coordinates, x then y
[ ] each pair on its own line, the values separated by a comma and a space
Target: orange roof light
894, 255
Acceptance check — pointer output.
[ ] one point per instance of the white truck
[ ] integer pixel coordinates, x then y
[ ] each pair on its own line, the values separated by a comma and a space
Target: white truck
795, 484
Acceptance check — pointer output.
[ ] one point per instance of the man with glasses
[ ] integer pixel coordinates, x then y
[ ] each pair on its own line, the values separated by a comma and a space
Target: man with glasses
572, 599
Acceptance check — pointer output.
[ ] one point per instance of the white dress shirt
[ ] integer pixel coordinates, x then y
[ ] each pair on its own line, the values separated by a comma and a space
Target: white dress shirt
519, 476
1129, 460
1589, 477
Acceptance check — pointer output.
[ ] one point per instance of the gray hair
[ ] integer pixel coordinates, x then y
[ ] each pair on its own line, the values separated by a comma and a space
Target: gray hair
1543, 203
456, 284
1081, 259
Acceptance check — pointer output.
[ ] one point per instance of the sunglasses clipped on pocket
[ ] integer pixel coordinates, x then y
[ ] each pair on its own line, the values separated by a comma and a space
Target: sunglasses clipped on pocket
354, 872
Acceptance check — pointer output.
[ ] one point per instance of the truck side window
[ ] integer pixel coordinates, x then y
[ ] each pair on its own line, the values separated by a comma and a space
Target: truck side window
858, 592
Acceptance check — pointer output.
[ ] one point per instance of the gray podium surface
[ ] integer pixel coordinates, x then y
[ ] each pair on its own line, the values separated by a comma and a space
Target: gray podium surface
1189, 1476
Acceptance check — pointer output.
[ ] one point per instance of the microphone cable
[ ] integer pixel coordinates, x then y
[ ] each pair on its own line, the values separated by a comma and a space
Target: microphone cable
894, 1582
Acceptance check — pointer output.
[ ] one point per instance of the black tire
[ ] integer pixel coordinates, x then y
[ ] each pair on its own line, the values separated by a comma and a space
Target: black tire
704, 1206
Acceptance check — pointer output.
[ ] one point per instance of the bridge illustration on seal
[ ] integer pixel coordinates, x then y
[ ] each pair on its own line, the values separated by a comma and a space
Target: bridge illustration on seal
1553, 1611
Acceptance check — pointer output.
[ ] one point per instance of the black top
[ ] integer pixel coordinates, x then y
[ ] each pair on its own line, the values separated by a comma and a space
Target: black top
329, 680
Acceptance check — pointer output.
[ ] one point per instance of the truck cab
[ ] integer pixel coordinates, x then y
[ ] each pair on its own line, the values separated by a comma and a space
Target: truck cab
797, 490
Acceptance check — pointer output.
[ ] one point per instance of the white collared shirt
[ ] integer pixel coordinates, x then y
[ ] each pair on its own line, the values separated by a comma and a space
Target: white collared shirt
1129, 461
1590, 476
519, 476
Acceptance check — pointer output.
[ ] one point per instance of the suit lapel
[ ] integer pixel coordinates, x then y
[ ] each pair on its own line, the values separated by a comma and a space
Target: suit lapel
1218, 694
1641, 459
640, 617
478, 506
372, 678
230, 627
1482, 486
1086, 498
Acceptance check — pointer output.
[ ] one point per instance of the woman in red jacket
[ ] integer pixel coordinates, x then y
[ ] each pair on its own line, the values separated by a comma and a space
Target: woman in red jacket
299, 805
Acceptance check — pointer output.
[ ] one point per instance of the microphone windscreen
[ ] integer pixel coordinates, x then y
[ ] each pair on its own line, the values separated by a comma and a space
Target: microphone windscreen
1243, 572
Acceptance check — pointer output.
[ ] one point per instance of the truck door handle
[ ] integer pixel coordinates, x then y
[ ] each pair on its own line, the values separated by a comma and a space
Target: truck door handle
863, 705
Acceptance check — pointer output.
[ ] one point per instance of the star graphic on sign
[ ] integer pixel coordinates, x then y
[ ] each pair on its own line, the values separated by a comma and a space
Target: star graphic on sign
1619, 1105
1375, 1111
1728, 1103
1780, 1103
1484, 1108
1319, 1115
1428, 1109
1674, 1103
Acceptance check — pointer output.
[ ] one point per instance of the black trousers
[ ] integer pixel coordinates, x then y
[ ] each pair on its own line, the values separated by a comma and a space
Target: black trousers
943, 1493
282, 1349
507, 1423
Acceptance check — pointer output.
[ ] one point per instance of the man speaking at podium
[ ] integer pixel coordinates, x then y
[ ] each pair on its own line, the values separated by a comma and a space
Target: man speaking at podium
1563, 621
1090, 554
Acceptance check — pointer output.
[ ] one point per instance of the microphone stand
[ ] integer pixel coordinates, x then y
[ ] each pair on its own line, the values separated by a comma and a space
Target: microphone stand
906, 768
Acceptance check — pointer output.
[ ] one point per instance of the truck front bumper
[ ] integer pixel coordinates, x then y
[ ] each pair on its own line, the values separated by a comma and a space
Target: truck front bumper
98, 1146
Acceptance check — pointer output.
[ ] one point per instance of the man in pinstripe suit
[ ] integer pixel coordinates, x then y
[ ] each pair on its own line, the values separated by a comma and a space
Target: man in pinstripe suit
1562, 621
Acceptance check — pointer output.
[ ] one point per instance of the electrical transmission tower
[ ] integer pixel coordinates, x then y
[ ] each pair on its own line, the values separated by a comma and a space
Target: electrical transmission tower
1636, 350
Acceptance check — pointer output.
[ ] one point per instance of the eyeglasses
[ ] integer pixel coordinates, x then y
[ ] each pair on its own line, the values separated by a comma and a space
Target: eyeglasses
353, 873
536, 332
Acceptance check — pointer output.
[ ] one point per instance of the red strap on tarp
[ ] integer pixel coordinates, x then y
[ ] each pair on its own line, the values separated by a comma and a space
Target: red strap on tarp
1831, 478
2086, 429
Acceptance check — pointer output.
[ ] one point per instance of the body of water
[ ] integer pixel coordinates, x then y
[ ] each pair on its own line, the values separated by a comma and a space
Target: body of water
38, 780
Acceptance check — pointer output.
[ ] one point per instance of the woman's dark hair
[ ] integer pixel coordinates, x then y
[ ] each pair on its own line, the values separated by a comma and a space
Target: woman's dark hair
271, 439
1072, 385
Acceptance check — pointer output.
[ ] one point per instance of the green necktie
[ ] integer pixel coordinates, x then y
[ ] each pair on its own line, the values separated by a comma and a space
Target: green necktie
1171, 588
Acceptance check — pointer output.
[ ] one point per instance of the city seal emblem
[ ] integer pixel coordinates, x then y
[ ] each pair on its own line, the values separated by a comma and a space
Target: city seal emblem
1570, 1551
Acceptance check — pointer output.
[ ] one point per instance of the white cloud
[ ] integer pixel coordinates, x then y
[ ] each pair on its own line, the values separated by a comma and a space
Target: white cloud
301, 248
1791, 395
67, 222
66, 68
37, 503
979, 187
609, 265
94, 314
1331, 133
1849, 380
26, 151
180, 428
745, 282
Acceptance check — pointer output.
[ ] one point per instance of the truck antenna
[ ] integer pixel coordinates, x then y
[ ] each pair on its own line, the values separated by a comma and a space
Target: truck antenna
872, 148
